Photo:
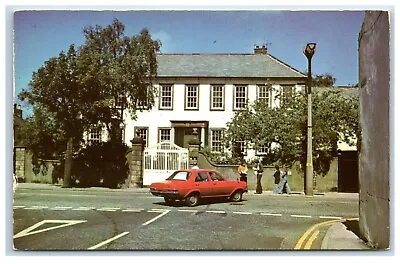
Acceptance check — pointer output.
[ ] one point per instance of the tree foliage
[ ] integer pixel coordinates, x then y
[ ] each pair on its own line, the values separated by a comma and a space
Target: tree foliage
284, 129
101, 165
108, 69
42, 134
114, 69
322, 80
54, 90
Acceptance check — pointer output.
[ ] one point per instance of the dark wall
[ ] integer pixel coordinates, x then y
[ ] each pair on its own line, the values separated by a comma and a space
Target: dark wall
374, 79
327, 183
348, 172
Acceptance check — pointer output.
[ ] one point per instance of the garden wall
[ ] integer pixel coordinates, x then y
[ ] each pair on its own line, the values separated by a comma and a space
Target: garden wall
328, 183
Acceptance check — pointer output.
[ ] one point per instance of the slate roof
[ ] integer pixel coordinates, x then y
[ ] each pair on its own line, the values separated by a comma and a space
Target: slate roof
224, 65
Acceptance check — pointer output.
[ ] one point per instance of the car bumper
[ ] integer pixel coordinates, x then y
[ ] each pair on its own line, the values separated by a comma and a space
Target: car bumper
165, 193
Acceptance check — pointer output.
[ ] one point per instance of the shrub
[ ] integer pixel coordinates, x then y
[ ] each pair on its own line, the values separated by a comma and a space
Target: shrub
100, 165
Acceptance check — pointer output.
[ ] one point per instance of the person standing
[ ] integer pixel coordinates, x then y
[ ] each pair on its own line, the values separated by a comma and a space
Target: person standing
277, 176
285, 184
242, 170
259, 170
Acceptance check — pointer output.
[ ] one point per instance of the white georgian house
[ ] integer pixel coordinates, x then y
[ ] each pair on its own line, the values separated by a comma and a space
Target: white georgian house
203, 91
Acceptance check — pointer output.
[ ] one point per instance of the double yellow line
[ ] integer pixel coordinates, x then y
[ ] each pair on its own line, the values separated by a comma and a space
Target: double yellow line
315, 231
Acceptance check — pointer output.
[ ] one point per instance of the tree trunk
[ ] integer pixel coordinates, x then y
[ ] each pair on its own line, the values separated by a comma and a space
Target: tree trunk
68, 164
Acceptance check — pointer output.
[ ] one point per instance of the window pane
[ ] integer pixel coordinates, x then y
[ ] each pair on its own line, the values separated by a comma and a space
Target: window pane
263, 94
263, 149
165, 135
191, 96
216, 140
240, 97
95, 135
217, 97
242, 146
166, 96
143, 132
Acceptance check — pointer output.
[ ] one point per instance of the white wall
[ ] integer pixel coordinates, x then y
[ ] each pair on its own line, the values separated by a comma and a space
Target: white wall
161, 118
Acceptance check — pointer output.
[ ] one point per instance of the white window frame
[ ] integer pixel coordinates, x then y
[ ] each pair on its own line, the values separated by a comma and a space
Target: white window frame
144, 136
236, 97
163, 96
263, 149
213, 97
160, 134
95, 135
219, 148
191, 92
264, 94
146, 104
243, 146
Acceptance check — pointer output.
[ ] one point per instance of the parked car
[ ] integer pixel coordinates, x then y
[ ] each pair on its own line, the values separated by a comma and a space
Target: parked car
194, 184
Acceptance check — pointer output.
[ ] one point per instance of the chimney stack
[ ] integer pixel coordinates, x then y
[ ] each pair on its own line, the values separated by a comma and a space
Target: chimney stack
260, 50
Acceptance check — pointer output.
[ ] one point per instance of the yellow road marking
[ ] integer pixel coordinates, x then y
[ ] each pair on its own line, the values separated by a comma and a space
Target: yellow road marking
316, 226
311, 240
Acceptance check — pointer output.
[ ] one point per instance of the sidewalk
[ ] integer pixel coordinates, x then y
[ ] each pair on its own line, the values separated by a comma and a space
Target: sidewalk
338, 236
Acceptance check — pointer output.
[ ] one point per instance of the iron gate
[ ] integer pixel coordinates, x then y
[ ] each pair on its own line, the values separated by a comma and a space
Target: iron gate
163, 159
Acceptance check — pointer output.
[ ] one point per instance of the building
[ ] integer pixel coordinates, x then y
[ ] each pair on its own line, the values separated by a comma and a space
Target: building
203, 91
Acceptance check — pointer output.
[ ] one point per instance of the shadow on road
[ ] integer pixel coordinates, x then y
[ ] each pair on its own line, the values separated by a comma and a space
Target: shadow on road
202, 202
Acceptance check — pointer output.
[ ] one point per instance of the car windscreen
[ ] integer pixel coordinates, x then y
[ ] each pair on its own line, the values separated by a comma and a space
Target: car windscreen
180, 175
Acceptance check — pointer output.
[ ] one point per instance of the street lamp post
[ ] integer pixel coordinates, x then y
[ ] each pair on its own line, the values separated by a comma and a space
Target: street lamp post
309, 51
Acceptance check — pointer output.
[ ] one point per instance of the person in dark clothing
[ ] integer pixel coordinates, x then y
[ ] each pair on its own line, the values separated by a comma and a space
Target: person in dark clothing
285, 188
277, 176
259, 170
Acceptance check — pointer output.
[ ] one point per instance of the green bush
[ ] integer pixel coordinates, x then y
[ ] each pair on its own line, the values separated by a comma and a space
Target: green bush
99, 165
219, 158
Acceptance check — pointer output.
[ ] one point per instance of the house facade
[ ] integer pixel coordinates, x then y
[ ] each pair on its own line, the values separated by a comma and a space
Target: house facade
203, 91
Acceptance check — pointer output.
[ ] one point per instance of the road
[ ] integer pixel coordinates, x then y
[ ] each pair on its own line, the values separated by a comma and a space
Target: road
134, 220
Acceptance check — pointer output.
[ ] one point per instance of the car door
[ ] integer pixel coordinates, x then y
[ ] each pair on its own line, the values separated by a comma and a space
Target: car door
221, 186
204, 184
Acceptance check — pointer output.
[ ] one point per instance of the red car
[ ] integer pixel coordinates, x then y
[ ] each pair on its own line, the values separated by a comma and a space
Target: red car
192, 185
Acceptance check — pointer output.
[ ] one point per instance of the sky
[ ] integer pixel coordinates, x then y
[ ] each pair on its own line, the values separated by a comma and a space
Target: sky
40, 35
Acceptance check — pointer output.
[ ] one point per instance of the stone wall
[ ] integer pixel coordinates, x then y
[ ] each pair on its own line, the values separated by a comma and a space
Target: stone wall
43, 175
135, 160
19, 162
328, 183
374, 159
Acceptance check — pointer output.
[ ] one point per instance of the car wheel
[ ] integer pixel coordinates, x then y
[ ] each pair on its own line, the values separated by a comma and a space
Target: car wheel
237, 196
169, 200
193, 199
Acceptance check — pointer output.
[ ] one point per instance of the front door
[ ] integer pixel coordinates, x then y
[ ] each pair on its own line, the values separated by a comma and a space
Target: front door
189, 135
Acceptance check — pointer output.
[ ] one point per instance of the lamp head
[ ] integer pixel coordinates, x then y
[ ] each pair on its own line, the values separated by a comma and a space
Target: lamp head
309, 49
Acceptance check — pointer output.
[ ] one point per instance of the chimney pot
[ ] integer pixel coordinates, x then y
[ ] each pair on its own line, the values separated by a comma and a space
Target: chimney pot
262, 50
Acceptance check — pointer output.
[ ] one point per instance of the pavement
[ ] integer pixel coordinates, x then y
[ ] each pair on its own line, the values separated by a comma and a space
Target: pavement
338, 237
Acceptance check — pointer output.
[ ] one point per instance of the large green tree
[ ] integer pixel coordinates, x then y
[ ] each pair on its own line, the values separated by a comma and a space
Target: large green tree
117, 73
283, 129
108, 73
